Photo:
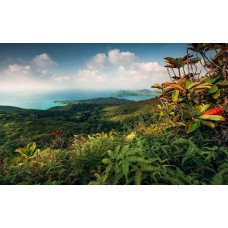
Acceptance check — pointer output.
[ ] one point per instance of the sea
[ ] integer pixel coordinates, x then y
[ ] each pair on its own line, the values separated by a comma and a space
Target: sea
45, 100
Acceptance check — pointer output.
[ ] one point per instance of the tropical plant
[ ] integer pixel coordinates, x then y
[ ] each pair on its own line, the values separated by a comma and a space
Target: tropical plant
192, 100
29, 151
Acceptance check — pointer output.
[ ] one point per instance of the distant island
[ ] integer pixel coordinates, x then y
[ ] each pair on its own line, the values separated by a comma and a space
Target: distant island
100, 100
142, 92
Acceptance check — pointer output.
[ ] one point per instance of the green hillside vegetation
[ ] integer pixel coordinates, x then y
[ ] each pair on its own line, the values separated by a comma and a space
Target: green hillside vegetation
21, 126
137, 93
179, 137
100, 100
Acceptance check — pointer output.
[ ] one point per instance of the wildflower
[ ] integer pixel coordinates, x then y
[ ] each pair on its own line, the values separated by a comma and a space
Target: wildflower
57, 133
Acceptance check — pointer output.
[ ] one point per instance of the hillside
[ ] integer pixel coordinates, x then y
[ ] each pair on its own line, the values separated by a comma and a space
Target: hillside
100, 100
12, 109
142, 92
21, 126
179, 138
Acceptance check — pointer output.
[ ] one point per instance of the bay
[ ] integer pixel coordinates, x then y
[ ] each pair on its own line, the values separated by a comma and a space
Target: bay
44, 100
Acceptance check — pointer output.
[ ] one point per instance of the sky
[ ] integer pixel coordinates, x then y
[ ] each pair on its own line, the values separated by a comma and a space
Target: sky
97, 66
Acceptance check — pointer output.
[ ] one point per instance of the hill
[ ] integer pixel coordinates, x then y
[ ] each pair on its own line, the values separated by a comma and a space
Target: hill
142, 92
180, 138
100, 100
20, 126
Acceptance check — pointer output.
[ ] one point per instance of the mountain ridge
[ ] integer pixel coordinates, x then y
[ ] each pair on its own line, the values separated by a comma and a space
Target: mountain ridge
141, 92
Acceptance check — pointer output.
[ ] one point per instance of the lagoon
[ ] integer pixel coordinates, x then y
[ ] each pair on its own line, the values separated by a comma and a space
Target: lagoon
44, 100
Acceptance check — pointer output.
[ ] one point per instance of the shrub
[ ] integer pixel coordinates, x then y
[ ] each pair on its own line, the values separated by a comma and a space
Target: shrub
191, 100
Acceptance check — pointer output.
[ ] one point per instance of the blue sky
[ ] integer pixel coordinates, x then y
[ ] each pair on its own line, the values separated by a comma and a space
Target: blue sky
85, 66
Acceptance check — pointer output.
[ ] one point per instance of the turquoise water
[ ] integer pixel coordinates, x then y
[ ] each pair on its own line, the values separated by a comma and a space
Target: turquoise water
44, 100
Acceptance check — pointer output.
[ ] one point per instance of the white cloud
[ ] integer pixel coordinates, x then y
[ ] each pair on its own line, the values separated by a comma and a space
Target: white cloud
19, 68
142, 75
116, 57
121, 69
112, 70
149, 67
141, 68
60, 78
19, 77
90, 75
43, 72
97, 61
43, 61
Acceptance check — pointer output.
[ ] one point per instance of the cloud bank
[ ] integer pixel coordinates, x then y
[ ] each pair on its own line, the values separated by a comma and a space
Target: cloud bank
115, 69
43, 61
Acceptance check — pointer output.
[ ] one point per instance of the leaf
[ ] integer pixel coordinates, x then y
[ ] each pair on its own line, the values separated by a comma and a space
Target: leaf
180, 124
170, 122
165, 124
200, 87
182, 63
161, 113
202, 110
157, 85
213, 89
194, 125
110, 153
187, 130
170, 108
212, 70
223, 85
220, 53
214, 111
214, 79
207, 123
211, 117
216, 95
192, 60
186, 114
193, 84
131, 136
170, 65
186, 57
187, 83
171, 60
176, 118
196, 100
159, 106
125, 168
175, 86
175, 95
106, 161
220, 62
180, 141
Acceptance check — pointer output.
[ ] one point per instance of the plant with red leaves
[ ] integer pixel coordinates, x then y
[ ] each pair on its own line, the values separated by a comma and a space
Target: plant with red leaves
57, 132
197, 100
215, 111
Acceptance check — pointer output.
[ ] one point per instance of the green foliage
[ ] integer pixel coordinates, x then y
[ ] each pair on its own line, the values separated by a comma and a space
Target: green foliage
194, 125
29, 151
193, 94
113, 159
140, 143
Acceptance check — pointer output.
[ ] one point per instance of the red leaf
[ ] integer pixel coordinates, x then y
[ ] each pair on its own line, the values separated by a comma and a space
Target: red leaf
215, 111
